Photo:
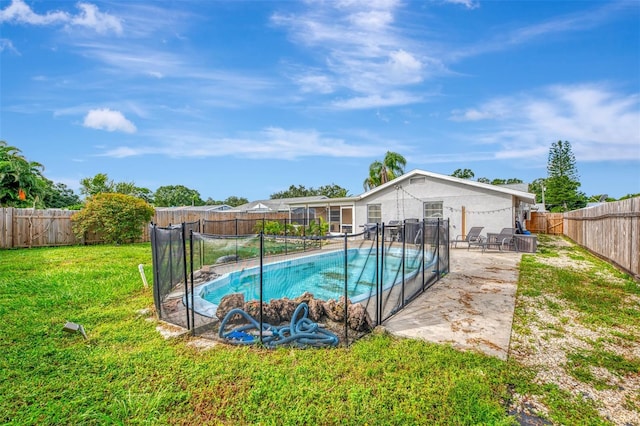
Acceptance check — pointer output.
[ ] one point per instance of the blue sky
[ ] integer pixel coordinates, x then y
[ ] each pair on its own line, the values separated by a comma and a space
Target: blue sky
246, 98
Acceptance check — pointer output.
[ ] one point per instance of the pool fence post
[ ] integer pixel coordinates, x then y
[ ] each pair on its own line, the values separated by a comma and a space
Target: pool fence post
404, 253
236, 239
170, 256
424, 235
346, 295
184, 262
193, 311
261, 273
305, 223
448, 245
201, 241
438, 251
285, 235
381, 274
378, 314
156, 269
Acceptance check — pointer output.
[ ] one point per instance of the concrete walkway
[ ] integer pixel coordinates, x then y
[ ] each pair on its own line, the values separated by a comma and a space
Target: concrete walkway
471, 308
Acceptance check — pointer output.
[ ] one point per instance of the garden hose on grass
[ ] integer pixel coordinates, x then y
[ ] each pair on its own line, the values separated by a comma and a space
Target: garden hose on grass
301, 332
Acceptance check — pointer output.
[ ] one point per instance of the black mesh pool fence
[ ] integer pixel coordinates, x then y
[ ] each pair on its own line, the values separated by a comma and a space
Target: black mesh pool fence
286, 288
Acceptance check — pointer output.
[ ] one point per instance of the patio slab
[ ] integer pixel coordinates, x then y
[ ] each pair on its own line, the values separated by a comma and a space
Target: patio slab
471, 308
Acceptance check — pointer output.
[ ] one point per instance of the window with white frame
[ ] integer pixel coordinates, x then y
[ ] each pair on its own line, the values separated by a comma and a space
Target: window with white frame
433, 209
374, 213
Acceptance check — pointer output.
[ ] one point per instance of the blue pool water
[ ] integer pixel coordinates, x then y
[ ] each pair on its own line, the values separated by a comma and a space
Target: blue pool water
322, 275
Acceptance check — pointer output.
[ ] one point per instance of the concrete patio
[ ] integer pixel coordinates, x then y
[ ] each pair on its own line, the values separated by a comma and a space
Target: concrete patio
471, 308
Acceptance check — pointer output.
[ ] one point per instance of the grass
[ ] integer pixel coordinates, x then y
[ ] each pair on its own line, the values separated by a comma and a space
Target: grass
127, 373
591, 296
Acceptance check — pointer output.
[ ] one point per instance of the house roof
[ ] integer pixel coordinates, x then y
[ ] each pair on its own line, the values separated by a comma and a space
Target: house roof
520, 195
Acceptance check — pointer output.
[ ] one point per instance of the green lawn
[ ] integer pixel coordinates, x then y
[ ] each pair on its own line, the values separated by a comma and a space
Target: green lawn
127, 373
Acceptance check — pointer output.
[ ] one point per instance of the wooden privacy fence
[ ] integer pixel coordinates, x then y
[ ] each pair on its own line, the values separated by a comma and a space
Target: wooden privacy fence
52, 227
34, 228
610, 230
545, 223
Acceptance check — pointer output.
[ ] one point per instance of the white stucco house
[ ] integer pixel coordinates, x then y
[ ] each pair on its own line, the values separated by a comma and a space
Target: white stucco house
421, 194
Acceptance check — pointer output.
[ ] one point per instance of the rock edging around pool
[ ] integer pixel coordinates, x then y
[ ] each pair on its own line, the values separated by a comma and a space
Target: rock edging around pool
280, 311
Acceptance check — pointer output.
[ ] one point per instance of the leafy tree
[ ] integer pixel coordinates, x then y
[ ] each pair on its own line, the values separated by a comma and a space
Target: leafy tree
98, 184
234, 201
600, 198
130, 188
381, 172
118, 218
58, 196
505, 181
497, 181
331, 191
537, 187
177, 195
101, 183
625, 197
293, 192
21, 181
463, 174
563, 182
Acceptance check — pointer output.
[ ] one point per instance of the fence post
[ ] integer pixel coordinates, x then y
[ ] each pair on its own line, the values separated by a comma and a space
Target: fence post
184, 262
193, 311
381, 274
156, 271
422, 245
438, 251
170, 256
378, 313
404, 242
346, 294
261, 275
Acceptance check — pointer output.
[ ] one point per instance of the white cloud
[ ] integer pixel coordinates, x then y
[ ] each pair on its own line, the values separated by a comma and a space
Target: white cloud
269, 143
18, 11
469, 4
377, 100
600, 123
6, 44
572, 22
361, 52
89, 16
109, 120
315, 83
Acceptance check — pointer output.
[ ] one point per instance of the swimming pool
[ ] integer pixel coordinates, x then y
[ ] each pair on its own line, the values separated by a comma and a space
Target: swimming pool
320, 274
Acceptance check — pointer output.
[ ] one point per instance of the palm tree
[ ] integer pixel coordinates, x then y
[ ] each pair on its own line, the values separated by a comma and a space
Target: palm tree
381, 172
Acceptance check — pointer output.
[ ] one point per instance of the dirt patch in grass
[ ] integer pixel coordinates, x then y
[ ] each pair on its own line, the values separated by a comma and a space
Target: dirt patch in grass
598, 364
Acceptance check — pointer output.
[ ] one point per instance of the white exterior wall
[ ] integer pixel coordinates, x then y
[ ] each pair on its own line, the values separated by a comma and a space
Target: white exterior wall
490, 209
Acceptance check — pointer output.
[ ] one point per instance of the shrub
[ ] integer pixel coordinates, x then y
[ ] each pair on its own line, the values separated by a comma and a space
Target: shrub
118, 218
271, 227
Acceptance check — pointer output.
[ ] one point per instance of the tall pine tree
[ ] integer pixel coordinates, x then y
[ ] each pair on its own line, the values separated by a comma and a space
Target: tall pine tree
563, 181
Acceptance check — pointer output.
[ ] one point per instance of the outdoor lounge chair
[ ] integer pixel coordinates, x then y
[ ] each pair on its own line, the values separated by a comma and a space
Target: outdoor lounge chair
472, 237
505, 239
